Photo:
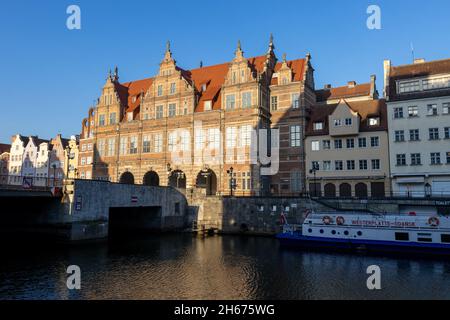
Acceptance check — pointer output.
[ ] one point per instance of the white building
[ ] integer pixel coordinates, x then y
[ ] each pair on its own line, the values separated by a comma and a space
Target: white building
18, 144
418, 99
42, 164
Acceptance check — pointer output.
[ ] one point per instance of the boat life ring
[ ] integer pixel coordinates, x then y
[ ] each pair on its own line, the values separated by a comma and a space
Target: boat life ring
326, 220
340, 220
433, 221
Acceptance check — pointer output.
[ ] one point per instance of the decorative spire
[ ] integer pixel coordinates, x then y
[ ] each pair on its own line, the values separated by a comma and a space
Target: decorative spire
239, 53
284, 57
168, 53
116, 73
168, 46
271, 45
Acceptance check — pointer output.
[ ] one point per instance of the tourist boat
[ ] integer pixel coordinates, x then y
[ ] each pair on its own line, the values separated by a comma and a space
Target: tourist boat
404, 233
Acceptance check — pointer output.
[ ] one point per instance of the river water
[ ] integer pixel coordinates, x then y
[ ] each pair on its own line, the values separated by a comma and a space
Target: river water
181, 266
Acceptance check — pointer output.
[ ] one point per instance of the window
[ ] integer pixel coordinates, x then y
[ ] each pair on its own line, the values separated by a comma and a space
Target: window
401, 159
158, 142
123, 146
348, 121
409, 86
295, 100
173, 88
374, 142
434, 133
398, 113
89, 147
171, 141
447, 132
160, 90
185, 107
339, 165
413, 111
111, 146
315, 165
207, 105
337, 122
445, 238
350, 165
112, 118
245, 135
185, 140
327, 165
133, 145
350, 143
246, 100
376, 164
402, 236
415, 159
315, 145
296, 181
363, 165
435, 158
362, 142
274, 103
414, 135
326, 144
432, 110
446, 108
399, 136
172, 110
159, 112
295, 136
101, 120
374, 121
199, 139
83, 161
101, 147
230, 101
437, 83
213, 138
146, 144
231, 136
338, 144
448, 157
83, 148
318, 126
89, 160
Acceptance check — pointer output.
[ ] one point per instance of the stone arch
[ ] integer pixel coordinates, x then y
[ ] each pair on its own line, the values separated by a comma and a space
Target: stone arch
151, 178
126, 178
361, 190
330, 190
207, 179
177, 179
345, 190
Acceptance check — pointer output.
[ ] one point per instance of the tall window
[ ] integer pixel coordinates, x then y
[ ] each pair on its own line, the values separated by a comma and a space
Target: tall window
160, 90
350, 165
199, 139
296, 181
245, 135
415, 159
432, 110
123, 146
401, 159
295, 100
339, 165
413, 111
374, 142
399, 136
350, 143
111, 146
214, 138
362, 142
398, 113
448, 157
446, 108
246, 100
434, 133
172, 140
315, 145
230, 101
133, 145
146, 144
447, 132
158, 142
101, 120
274, 103
231, 136
435, 158
362, 164
327, 165
101, 147
112, 118
338, 144
295, 136
414, 135
159, 112
185, 140
375, 164
172, 110
207, 105
326, 144
173, 88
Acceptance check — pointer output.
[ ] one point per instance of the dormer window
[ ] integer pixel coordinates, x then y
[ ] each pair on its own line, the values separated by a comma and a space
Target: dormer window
134, 99
374, 121
130, 116
318, 126
160, 89
204, 87
337, 122
173, 88
348, 121
207, 105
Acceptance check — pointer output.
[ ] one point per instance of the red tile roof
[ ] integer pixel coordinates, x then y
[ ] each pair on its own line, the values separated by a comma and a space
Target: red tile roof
343, 92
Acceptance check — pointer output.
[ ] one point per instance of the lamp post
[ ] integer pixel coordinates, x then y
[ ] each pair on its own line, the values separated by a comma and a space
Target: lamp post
313, 171
232, 184
54, 174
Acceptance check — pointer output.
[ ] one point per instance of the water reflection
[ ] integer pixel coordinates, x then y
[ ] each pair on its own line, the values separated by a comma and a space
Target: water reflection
184, 267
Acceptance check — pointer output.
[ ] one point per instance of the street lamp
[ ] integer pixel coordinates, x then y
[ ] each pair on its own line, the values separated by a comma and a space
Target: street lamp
313, 171
54, 174
232, 182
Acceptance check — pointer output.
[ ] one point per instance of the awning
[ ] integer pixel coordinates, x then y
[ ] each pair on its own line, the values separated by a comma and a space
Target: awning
410, 180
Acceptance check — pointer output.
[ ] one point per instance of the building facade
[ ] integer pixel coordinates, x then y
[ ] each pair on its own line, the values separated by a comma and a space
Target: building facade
418, 100
72, 155
4, 162
200, 128
346, 144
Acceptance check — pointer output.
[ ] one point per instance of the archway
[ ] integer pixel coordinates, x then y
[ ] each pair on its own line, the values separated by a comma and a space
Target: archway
330, 190
345, 190
361, 190
126, 178
177, 179
207, 179
151, 178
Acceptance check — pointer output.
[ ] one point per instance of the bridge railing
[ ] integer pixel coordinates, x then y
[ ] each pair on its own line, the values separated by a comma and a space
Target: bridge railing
29, 182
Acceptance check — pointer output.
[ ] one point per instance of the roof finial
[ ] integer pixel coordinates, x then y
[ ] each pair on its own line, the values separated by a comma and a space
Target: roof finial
201, 64
239, 45
284, 57
271, 38
116, 73
271, 45
168, 46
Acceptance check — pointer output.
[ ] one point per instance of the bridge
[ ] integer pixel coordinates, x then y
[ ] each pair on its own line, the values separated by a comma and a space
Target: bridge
88, 209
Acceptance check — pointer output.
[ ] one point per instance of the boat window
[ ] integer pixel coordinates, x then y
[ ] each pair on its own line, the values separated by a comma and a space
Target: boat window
321, 230
309, 230
445, 238
402, 236
333, 232
424, 239
359, 233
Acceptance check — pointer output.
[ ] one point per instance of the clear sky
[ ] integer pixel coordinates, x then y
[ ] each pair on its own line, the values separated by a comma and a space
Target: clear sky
49, 75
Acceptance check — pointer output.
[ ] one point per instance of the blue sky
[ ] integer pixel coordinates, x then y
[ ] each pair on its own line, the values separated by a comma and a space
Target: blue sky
49, 75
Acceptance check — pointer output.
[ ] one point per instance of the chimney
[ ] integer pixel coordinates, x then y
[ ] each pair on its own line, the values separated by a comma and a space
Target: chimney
351, 84
327, 87
387, 73
419, 60
373, 87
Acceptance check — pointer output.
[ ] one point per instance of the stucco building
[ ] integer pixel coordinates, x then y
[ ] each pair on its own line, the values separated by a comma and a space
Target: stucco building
418, 99
346, 143
189, 128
